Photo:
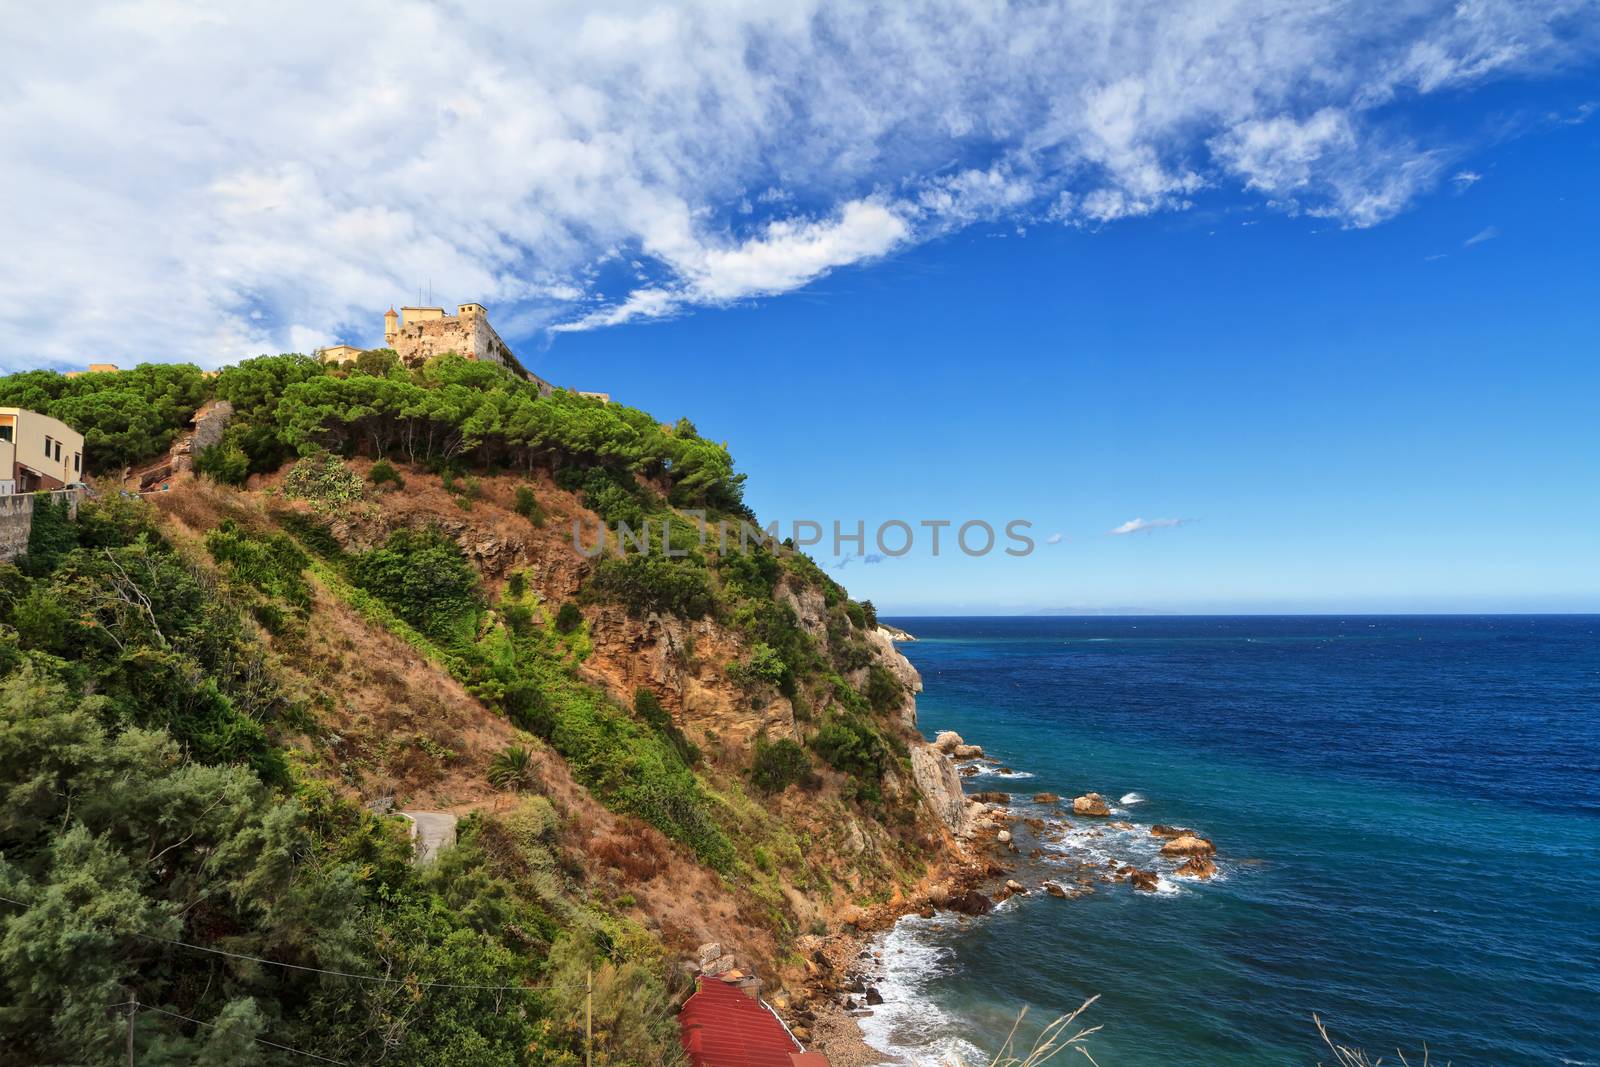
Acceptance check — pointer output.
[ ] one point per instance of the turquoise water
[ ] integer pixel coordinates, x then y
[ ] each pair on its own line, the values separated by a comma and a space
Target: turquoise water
1407, 812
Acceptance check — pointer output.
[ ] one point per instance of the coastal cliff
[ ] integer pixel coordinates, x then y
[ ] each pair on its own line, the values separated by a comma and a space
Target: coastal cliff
458, 742
837, 853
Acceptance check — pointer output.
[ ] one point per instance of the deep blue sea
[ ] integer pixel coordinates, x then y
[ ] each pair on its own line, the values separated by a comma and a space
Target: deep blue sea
1407, 813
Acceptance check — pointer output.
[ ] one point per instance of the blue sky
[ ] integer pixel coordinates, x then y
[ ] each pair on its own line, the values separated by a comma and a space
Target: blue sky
1305, 292
1396, 418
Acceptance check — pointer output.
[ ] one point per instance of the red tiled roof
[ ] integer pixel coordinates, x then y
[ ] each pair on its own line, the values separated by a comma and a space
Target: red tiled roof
721, 1027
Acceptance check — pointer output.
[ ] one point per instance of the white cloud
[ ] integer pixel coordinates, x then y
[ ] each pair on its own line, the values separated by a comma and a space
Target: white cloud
1053, 539
1144, 526
1488, 233
1465, 179
187, 184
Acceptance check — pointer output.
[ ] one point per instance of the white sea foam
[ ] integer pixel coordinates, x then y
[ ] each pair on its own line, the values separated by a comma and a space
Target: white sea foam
1131, 799
907, 1025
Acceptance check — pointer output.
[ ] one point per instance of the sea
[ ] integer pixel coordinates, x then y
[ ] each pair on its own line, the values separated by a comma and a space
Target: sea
1406, 811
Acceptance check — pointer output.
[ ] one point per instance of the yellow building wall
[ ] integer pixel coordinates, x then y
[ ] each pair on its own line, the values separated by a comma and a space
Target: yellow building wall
31, 430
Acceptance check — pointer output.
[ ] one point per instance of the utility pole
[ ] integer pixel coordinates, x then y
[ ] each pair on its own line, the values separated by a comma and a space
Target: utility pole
588, 1021
133, 1009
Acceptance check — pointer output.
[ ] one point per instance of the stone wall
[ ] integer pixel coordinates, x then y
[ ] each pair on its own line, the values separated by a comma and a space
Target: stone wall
16, 520
465, 335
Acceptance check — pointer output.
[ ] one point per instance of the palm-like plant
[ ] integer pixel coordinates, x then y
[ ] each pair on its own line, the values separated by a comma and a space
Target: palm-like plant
512, 769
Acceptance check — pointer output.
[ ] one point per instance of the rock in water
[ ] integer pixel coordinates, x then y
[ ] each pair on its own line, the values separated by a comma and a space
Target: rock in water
1197, 867
1055, 890
1045, 798
1188, 845
1014, 886
967, 751
971, 902
1090, 804
1144, 880
873, 996
948, 741
1162, 830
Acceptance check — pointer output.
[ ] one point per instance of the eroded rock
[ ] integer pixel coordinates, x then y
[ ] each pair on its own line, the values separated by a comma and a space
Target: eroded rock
1090, 804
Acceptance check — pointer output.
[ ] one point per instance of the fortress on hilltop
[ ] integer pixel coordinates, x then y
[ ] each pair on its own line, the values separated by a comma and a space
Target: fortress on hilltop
417, 334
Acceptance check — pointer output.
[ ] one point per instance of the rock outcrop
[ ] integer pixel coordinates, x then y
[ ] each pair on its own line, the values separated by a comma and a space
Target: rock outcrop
940, 787
1090, 804
1188, 845
971, 902
1199, 867
947, 741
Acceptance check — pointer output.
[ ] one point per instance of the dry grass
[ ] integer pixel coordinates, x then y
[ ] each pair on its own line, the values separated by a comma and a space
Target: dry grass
632, 852
1344, 1056
1060, 1035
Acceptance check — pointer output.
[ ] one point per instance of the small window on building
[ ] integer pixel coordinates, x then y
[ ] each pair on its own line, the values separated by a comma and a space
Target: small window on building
8, 433
58, 451
47, 444
77, 462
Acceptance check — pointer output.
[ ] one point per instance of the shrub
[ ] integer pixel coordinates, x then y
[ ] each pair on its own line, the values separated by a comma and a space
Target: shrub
272, 563
383, 473
884, 690
568, 618
424, 577
527, 505
851, 746
648, 707
224, 462
644, 584
512, 770
780, 764
324, 481
51, 536
764, 666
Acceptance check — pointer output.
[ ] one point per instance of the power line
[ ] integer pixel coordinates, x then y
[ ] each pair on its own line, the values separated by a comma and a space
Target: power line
338, 974
316, 970
261, 1040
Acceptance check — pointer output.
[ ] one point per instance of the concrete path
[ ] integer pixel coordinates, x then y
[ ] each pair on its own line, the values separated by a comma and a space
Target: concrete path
431, 831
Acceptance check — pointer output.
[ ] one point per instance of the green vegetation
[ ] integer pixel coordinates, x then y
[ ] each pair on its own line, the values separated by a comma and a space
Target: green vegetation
648, 707
527, 505
147, 807
383, 473
224, 462
568, 618
645, 584
125, 417
428, 593
780, 764
512, 769
425, 578
148, 793
324, 482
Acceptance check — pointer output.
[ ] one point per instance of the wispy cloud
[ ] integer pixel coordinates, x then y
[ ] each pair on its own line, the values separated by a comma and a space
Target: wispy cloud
1133, 526
606, 163
1465, 179
1053, 539
1488, 233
